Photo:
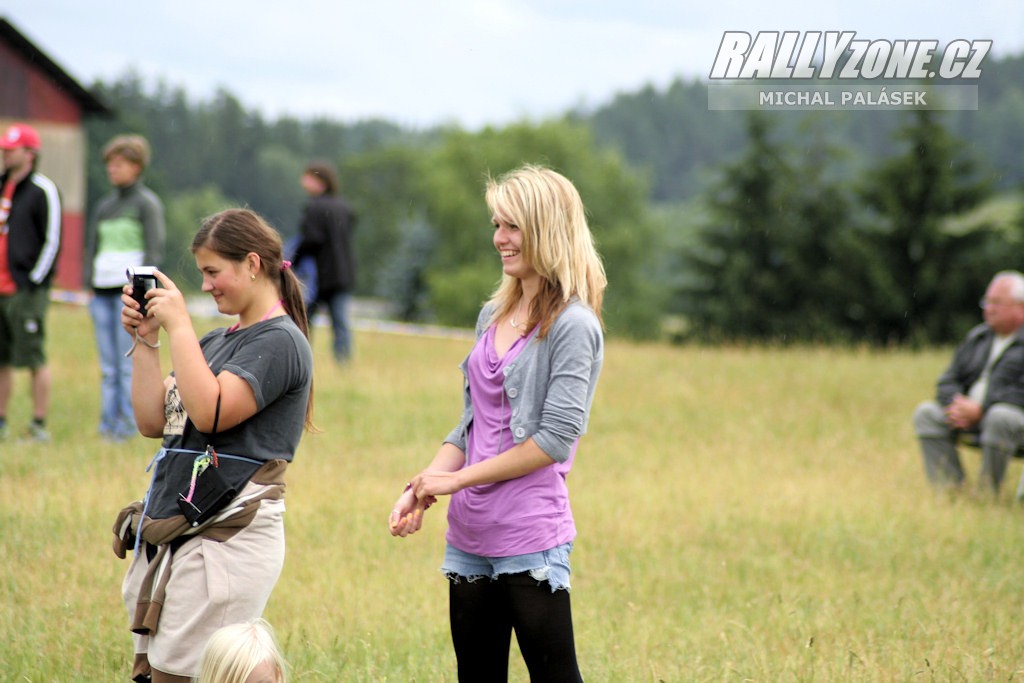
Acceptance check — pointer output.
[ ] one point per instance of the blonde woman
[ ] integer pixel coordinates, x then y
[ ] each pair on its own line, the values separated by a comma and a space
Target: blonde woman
243, 653
529, 383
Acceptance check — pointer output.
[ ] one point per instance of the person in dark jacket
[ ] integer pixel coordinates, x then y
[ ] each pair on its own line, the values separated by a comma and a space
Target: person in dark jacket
326, 236
30, 232
980, 394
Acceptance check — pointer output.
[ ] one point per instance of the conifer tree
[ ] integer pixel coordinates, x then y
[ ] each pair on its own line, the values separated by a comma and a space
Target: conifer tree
918, 273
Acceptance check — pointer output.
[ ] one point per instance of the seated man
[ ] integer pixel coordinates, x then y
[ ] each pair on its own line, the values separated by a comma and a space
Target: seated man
981, 393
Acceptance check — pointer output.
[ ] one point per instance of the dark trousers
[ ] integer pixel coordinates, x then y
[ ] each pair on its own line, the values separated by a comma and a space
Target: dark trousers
483, 615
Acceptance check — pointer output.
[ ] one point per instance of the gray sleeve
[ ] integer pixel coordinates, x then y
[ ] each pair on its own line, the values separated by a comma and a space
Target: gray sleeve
576, 356
269, 371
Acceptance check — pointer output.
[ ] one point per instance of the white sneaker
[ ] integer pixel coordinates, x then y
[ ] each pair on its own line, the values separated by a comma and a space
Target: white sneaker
38, 433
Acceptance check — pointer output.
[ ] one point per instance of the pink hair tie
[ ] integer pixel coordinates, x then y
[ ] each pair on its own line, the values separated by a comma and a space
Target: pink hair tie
285, 265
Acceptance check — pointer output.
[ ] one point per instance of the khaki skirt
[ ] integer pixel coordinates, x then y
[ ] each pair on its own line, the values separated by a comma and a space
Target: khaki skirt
212, 584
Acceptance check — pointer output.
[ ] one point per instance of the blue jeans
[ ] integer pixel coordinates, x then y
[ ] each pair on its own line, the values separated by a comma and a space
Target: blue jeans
117, 420
337, 306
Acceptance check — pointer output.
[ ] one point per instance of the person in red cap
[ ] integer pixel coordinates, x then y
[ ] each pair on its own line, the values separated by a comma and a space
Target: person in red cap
30, 230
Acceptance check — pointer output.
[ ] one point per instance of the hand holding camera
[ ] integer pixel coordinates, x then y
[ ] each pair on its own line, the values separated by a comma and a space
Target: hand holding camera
142, 279
164, 307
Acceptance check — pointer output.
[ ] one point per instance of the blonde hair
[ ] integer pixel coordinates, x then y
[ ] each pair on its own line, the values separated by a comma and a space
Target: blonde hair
234, 651
557, 243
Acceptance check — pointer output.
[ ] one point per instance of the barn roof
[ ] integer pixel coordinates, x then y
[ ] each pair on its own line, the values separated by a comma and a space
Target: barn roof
13, 37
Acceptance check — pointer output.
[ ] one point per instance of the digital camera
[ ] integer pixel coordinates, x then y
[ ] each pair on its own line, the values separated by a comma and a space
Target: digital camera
143, 279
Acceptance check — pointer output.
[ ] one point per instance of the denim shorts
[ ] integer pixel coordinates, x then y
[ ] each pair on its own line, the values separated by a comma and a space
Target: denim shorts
547, 565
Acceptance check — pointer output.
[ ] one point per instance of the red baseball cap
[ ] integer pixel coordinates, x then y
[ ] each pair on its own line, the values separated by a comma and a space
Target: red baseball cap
20, 135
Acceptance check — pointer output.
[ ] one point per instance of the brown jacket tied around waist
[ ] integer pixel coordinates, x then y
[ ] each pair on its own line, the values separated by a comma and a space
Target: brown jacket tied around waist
267, 483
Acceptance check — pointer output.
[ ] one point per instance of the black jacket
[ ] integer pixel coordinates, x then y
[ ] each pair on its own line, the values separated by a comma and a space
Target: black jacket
326, 232
1006, 379
33, 231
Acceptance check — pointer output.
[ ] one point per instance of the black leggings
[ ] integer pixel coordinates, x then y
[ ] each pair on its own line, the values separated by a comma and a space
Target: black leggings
483, 615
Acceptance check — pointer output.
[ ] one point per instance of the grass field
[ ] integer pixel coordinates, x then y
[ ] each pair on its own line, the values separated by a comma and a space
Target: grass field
743, 515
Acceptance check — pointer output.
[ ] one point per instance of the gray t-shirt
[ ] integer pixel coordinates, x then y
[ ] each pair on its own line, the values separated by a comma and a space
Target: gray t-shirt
274, 357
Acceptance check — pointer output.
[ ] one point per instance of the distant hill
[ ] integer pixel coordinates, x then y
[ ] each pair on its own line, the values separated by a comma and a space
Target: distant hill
670, 133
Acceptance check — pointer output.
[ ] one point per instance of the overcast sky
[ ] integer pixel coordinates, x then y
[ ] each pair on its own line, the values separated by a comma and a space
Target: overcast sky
470, 62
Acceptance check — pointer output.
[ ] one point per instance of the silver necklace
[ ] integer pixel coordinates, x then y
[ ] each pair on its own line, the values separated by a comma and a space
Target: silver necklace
512, 319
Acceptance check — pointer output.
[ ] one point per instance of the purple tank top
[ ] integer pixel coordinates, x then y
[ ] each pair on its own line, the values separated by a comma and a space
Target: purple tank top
518, 516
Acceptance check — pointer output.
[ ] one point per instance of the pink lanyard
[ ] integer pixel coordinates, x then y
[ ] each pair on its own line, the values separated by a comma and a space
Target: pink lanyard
269, 313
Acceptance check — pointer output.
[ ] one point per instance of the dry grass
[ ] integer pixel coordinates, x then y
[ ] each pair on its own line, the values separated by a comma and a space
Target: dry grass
744, 514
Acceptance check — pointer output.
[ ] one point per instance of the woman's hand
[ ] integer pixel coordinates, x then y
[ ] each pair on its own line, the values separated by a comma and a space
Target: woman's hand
166, 304
132, 319
407, 515
431, 483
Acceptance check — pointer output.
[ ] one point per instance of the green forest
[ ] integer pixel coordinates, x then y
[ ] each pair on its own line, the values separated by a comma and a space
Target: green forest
841, 227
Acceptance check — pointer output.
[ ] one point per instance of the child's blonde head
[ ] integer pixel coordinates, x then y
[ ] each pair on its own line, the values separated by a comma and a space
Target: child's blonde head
235, 652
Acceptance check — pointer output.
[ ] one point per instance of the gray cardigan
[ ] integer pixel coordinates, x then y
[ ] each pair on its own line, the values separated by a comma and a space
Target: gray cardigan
550, 385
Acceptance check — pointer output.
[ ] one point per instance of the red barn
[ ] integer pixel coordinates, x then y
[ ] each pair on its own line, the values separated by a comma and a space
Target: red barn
36, 91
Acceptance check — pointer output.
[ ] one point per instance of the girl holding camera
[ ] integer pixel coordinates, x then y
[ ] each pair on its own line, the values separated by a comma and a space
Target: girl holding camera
207, 541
